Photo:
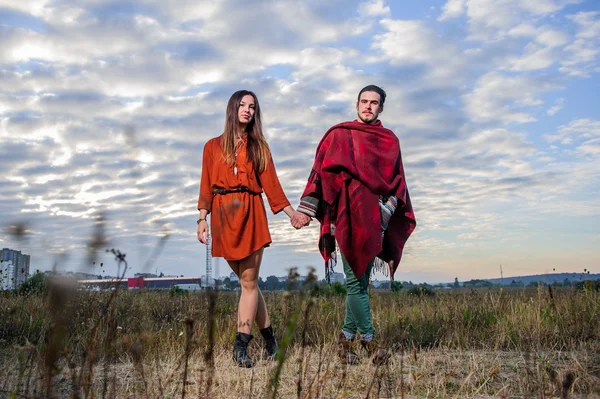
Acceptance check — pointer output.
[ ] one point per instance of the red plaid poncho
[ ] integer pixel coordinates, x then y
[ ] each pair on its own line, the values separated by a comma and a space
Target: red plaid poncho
355, 163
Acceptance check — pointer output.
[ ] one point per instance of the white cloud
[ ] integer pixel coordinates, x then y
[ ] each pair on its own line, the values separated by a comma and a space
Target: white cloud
475, 236
505, 99
589, 24
408, 43
490, 20
551, 38
582, 54
374, 8
591, 147
500, 142
541, 52
578, 129
534, 57
453, 9
35, 7
544, 35
509, 22
122, 54
556, 107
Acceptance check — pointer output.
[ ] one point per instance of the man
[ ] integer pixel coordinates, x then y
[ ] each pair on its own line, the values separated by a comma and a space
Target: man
357, 191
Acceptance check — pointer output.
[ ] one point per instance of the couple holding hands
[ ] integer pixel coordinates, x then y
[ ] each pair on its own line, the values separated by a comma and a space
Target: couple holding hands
356, 190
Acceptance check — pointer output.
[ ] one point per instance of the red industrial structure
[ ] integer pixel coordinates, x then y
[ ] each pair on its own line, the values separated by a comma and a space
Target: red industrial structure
135, 282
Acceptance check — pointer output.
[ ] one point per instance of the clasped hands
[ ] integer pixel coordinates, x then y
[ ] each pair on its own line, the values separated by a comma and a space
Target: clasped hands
299, 220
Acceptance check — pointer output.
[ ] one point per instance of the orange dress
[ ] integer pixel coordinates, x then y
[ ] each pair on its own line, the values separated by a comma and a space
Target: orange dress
238, 221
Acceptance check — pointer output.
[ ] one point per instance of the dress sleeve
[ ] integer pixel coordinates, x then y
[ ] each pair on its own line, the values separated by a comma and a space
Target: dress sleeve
272, 187
205, 198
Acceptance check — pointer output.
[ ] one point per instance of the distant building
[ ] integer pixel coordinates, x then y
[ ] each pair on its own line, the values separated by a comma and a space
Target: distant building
190, 287
380, 284
74, 275
146, 275
83, 275
20, 264
207, 282
7, 275
337, 277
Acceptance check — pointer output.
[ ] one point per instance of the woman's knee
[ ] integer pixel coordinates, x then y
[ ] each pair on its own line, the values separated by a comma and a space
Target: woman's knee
249, 284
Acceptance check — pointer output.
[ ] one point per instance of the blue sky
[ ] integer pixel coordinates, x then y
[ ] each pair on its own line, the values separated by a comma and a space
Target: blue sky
105, 108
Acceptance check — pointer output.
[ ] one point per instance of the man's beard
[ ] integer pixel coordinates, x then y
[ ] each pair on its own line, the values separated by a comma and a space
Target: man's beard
367, 121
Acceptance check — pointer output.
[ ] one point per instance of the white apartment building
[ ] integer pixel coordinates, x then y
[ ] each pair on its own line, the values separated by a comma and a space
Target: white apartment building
20, 264
7, 275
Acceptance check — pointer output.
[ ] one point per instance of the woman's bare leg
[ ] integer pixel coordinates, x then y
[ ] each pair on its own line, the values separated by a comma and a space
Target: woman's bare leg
252, 303
262, 315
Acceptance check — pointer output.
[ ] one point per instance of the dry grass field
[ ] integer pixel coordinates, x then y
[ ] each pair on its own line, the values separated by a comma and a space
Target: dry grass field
537, 343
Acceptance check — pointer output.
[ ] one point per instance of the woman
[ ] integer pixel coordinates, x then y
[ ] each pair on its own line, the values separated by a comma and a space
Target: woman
236, 168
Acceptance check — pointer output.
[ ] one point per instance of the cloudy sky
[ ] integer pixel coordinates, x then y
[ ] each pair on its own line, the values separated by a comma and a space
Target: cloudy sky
105, 107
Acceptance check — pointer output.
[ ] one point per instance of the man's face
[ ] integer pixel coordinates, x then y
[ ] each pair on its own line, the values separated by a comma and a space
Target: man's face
368, 107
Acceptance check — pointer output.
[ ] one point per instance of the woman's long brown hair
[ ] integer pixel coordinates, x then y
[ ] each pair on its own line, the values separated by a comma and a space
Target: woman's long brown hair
258, 152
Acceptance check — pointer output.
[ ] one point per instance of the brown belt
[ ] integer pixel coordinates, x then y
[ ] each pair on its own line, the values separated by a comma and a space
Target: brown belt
223, 191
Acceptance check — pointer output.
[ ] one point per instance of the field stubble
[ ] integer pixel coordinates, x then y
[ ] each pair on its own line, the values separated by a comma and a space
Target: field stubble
469, 343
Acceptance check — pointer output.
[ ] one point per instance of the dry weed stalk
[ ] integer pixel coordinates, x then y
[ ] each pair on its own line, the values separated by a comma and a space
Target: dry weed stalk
311, 280
57, 302
189, 333
287, 337
209, 353
85, 376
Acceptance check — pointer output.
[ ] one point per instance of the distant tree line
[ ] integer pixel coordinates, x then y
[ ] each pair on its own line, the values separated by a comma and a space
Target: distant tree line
589, 284
37, 283
273, 283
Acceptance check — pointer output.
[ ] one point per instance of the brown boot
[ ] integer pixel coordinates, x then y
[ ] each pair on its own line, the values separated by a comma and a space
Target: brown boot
380, 355
345, 352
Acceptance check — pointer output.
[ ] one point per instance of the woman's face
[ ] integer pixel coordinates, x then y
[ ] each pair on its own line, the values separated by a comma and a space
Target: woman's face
246, 109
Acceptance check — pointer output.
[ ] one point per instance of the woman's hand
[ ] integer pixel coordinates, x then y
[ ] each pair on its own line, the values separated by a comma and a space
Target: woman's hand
203, 232
299, 220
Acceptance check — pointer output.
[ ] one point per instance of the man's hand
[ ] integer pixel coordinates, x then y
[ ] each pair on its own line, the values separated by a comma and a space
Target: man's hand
299, 220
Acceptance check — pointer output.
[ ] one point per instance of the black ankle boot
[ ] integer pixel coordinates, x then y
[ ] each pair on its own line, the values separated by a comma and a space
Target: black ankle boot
271, 348
240, 350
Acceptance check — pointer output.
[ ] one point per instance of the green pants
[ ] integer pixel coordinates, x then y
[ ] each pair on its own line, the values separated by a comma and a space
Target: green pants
358, 306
